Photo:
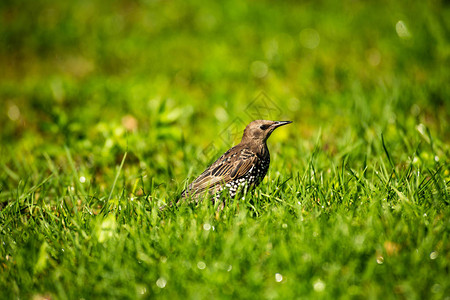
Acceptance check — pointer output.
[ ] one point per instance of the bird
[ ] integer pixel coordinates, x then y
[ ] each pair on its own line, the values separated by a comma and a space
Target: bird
241, 168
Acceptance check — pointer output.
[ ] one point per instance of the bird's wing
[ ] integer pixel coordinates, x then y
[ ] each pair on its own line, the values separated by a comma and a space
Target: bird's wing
234, 164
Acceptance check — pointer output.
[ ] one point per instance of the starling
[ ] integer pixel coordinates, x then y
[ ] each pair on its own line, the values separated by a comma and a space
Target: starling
242, 167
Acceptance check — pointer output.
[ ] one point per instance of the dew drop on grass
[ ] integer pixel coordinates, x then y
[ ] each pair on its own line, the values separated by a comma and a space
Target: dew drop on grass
278, 277
82, 179
421, 128
284, 225
402, 30
434, 255
142, 290
230, 267
206, 226
380, 260
319, 285
201, 265
161, 282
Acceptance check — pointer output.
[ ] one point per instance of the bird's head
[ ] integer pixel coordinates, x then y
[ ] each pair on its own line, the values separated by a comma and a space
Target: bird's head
260, 130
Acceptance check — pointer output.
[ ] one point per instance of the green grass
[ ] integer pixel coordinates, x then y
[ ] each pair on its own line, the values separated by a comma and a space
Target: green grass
110, 108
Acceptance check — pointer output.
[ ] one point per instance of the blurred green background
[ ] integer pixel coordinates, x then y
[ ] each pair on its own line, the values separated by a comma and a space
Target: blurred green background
173, 83
79, 73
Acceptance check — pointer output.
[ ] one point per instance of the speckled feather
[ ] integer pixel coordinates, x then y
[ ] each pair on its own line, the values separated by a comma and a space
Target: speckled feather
239, 166
242, 167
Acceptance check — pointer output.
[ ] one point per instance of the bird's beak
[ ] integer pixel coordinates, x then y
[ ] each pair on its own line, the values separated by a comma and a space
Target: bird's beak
280, 123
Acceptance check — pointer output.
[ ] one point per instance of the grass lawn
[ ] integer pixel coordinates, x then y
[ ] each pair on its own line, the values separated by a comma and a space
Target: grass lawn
109, 109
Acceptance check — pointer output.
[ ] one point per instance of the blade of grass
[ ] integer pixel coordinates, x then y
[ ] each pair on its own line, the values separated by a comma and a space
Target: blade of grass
74, 170
388, 155
117, 176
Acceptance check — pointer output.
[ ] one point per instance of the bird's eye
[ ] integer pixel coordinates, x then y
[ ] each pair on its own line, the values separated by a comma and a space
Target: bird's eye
264, 127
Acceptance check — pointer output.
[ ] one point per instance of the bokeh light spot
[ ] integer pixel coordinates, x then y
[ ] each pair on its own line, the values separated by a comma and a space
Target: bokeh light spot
373, 57
201, 265
402, 30
319, 285
13, 112
309, 38
259, 69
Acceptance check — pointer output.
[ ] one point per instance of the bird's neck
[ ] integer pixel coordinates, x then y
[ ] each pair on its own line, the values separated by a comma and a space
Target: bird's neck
257, 146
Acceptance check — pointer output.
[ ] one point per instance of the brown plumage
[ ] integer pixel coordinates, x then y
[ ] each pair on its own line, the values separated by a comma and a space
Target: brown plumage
243, 166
